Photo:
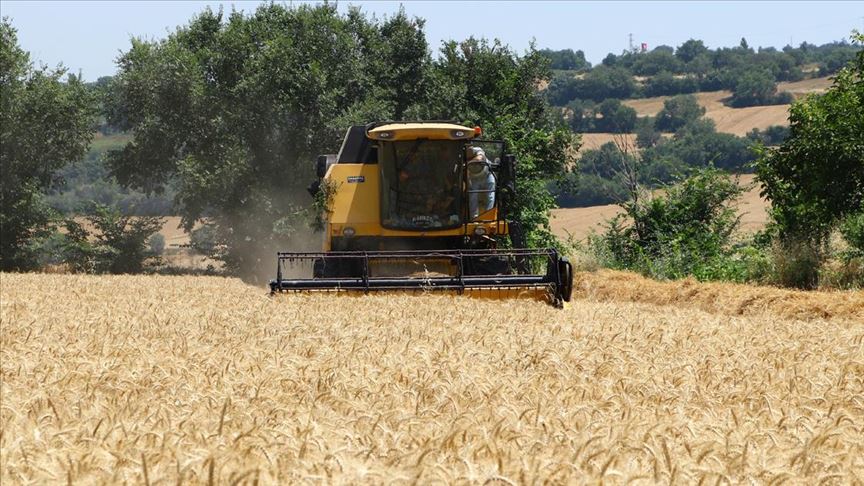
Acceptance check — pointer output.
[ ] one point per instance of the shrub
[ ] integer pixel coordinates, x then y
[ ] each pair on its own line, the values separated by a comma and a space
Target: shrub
615, 117
592, 190
120, 244
796, 263
76, 249
773, 135
121, 241
844, 273
852, 229
677, 112
757, 88
156, 244
685, 232
204, 240
646, 134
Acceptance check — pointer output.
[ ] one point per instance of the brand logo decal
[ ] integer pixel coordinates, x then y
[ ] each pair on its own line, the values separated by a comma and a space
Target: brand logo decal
355, 179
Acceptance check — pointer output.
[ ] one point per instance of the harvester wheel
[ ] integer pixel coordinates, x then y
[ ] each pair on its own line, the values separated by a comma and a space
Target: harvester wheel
565, 269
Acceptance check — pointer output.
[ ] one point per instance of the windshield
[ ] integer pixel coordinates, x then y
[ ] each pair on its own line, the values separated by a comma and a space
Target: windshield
421, 184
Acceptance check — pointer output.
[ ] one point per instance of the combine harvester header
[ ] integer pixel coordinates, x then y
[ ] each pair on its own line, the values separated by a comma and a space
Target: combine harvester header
422, 206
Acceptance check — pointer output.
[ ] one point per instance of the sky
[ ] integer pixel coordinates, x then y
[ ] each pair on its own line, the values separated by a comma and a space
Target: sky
87, 36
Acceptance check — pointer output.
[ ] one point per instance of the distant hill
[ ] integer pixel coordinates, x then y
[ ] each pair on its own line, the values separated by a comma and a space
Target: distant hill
738, 121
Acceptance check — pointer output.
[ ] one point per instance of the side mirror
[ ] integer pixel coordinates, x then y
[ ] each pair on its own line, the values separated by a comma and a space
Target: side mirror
321, 166
508, 172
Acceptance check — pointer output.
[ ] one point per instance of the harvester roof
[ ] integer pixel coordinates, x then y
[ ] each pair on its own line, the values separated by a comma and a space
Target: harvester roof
417, 130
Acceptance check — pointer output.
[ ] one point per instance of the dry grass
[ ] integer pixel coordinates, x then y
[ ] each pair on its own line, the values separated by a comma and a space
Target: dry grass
721, 298
203, 379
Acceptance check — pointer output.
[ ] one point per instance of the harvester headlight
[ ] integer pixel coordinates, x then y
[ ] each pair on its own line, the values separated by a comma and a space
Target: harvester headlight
348, 232
479, 231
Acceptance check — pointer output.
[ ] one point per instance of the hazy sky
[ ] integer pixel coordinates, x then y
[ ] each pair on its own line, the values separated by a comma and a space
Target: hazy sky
88, 35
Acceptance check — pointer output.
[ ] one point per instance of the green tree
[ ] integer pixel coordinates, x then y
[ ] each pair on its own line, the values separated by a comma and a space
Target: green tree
488, 84
664, 83
816, 177
233, 109
45, 123
563, 89
566, 59
399, 59
686, 231
698, 144
607, 82
677, 112
615, 117
755, 88
118, 244
690, 50
646, 135
657, 60
581, 115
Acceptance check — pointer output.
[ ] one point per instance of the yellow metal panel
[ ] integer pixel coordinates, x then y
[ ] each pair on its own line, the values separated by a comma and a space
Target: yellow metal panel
356, 198
375, 229
356, 203
413, 131
493, 293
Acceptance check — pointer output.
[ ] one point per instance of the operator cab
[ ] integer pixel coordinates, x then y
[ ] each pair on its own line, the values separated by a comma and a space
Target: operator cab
433, 175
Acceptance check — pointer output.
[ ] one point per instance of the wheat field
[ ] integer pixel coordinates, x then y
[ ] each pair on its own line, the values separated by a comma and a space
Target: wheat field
157, 380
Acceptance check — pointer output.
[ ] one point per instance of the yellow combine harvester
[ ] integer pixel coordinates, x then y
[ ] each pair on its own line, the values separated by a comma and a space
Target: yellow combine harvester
423, 206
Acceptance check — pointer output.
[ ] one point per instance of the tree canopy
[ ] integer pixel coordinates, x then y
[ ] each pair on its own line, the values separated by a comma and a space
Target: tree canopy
45, 123
677, 112
234, 108
816, 177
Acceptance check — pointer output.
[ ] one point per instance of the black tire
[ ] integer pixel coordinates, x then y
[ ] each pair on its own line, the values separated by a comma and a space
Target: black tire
565, 270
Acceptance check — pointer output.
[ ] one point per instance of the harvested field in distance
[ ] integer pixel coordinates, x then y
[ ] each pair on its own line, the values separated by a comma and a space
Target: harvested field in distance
161, 379
579, 222
737, 121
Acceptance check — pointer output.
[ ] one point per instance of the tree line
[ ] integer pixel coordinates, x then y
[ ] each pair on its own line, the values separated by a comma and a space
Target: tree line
230, 110
751, 74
